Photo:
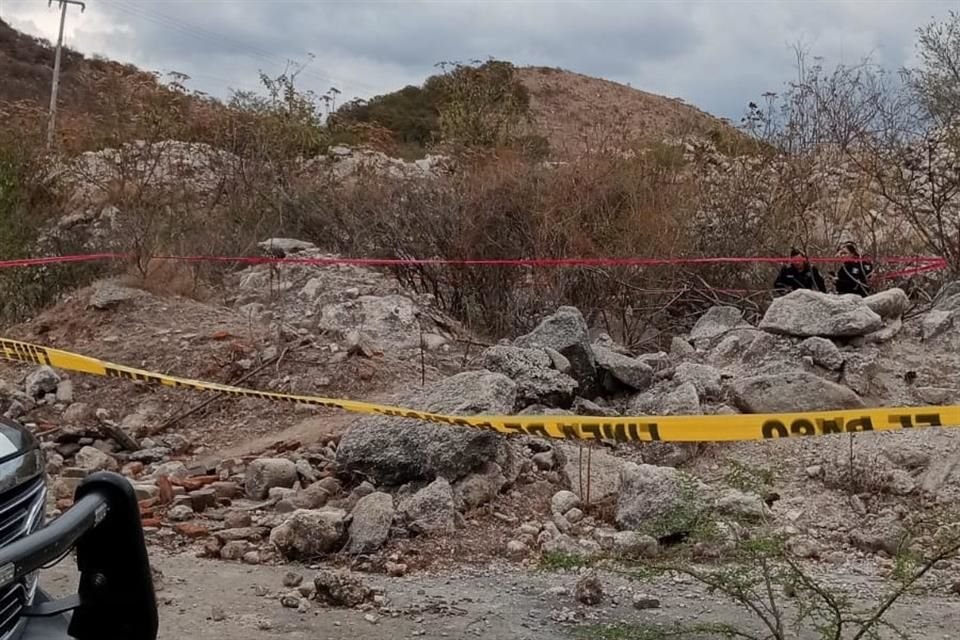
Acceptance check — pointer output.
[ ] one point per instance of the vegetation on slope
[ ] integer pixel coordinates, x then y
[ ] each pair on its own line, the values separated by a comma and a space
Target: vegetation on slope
835, 153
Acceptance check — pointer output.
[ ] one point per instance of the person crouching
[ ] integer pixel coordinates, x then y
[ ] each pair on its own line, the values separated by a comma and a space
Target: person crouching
854, 273
799, 274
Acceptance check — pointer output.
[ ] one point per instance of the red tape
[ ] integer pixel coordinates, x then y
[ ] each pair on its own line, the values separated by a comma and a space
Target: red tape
923, 263
536, 262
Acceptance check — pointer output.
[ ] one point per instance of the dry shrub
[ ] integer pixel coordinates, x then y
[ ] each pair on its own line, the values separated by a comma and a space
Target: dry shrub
503, 206
168, 277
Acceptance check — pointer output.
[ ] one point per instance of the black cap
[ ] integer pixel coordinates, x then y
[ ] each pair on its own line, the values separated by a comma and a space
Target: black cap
851, 247
794, 252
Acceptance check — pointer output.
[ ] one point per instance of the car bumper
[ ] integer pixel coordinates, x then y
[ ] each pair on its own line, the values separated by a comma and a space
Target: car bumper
49, 628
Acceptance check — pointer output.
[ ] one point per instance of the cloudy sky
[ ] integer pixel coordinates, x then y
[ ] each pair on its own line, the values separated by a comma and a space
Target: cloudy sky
717, 54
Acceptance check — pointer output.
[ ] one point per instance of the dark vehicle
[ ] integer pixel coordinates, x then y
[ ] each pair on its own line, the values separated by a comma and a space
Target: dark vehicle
115, 598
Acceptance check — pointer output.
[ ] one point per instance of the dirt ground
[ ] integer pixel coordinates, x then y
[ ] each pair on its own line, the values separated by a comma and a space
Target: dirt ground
458, 587
207, 599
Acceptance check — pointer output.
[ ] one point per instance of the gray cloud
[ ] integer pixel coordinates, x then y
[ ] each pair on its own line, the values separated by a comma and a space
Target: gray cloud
715, 54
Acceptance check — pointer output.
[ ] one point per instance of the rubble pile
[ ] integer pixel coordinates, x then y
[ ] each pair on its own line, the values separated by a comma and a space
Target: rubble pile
365, 310
388, 479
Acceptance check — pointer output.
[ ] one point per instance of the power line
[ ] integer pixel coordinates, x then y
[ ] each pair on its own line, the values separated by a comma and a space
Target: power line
51, 123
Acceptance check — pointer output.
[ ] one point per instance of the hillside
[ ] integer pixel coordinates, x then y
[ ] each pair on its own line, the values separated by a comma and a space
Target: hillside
576, 112
26, 66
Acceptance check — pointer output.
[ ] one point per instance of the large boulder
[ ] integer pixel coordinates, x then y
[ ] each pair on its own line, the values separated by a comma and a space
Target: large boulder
92, 459
341, 589
715, 323
310, 533
538, 382
41, 381
937, 322
565, 332
480, 488
704, 378
797, 391
390, 321
823, 352
264, 474
659, 501
942, 319
430, 510
391, 451
888, 304
370, 524
624, 370
602, 477
283, 247
109, 294
682, 401
806, 313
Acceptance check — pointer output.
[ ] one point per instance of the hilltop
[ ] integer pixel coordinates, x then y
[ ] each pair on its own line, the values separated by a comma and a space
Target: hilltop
572, 112
578, 112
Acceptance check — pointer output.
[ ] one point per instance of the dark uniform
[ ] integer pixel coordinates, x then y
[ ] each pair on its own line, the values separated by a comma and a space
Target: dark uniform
853, 276
791, 278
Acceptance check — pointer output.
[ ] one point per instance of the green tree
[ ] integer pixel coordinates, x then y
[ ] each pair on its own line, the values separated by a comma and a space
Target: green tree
936, 80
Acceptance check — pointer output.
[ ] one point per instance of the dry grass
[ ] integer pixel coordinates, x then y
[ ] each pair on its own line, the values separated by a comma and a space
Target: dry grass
578, 113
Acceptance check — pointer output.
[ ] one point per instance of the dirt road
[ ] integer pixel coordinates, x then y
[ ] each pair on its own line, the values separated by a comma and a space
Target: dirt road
210, 599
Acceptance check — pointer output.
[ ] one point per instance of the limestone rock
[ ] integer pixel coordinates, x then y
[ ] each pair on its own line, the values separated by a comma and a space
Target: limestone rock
266, 473
480, 488
532, 369
566, 332
746, 506
794, 393
703, 377
888, 304
392, 451
389, 321
341, 589
41, 381
656, 500
309, 533
824, 353
715, 323
603, 474
430, 510
92, 459
370, 524
631, 372
805, 313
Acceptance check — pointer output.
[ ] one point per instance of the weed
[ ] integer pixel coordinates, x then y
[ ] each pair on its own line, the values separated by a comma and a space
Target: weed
652, 631
749, 478
686, 517
563, 561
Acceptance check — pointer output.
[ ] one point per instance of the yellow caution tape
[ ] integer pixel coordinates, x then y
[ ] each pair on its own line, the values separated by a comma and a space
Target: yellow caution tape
623, 429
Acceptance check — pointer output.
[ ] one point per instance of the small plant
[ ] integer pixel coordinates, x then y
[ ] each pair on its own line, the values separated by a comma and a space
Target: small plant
749, 479
563, 561
653, 631
757, 572
686, 519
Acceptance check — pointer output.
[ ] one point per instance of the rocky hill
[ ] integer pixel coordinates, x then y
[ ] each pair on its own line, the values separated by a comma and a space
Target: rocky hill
577, 112
574, 112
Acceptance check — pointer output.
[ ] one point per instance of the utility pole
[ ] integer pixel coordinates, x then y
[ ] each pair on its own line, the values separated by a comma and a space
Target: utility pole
51, 124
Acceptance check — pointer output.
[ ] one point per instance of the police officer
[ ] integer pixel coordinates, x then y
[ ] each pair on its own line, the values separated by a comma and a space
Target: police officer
853, 276
799, 274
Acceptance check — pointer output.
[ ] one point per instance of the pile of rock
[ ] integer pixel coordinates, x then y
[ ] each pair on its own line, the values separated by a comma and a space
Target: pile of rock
365, 310
345, 163
392, 478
